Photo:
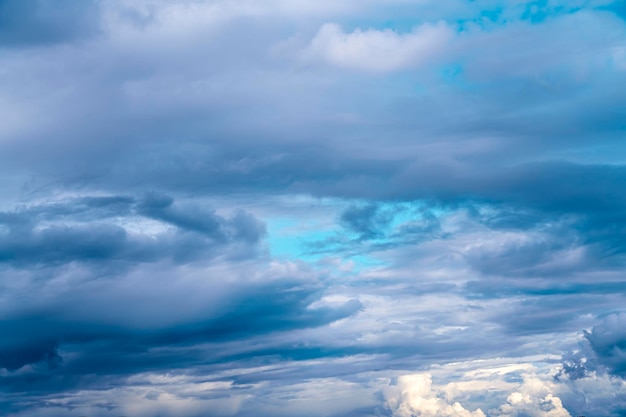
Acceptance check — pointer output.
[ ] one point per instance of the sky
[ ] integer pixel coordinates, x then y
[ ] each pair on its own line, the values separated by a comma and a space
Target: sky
312, 208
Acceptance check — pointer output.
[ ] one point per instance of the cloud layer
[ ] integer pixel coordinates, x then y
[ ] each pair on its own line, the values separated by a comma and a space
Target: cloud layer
312, 208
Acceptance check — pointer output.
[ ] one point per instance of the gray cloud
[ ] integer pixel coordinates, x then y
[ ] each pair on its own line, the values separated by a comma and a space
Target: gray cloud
187, 192
43, 23
83, 230
608, 341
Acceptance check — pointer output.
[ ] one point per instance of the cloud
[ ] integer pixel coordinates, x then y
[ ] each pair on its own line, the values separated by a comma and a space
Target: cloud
28, 23
533, 400
94, 229
378, 51
239, 207
414, 396
365, 221
596, 394
72, 330
243, 225
608, 341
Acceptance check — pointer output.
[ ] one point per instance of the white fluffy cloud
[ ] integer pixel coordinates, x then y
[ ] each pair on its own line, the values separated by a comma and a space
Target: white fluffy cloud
414, 396
378, 50
534, 395
532, 399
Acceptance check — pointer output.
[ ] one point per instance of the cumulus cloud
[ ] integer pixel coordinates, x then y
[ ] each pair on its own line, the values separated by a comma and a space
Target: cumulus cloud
596, 393
378, 50
414, 396
523, 389
534, 399
608, 342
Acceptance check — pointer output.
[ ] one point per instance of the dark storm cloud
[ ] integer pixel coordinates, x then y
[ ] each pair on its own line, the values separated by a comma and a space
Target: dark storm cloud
60, 244
367, 221
600, 356
243, 226
25, 23
608, 341
45, 337
41, 234
566, 205
263, 310
43, 352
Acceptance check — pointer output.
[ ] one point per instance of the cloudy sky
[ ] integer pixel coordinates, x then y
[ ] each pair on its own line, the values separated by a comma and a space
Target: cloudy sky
316, 208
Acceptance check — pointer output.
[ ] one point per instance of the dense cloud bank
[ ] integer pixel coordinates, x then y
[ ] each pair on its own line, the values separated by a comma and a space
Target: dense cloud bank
312, 208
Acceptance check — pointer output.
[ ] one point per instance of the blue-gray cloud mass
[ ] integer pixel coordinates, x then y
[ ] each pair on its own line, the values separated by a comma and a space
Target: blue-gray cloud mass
312, 208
